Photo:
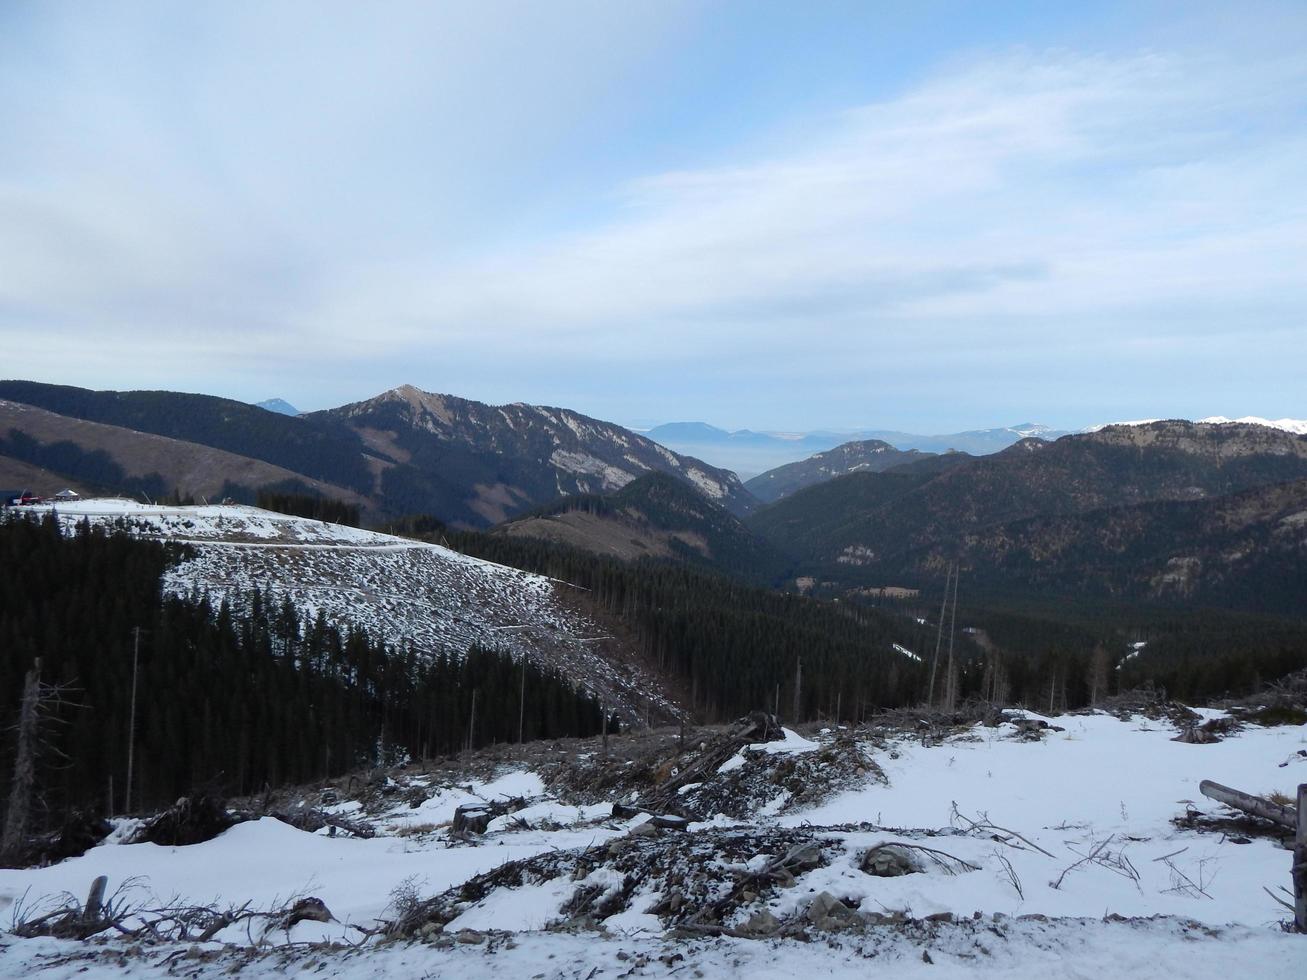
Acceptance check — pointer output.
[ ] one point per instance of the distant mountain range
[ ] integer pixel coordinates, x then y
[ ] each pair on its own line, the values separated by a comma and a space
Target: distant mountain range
750, 453
405, 451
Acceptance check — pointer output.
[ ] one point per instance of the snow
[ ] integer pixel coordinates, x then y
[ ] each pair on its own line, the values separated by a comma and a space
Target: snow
1296, 426
905, 651
710, 487
1015, 951
1102, 779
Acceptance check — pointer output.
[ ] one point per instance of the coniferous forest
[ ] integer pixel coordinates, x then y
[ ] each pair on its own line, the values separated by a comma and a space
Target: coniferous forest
240, 699
736, 648
231, 700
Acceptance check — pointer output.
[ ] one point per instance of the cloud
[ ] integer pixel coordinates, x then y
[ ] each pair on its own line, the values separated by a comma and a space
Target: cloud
1047, 185
356, 195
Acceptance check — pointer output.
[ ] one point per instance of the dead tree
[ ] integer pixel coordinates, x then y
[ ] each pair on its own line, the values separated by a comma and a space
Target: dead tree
24, 778
1099, 673
951, 680
1285, 816
939, 636
1300, 863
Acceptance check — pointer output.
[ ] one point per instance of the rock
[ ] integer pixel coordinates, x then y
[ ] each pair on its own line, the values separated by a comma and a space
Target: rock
471, 937
646, 829
889, 861
802, 857
883, 918
940, 917
761, 923
828, 912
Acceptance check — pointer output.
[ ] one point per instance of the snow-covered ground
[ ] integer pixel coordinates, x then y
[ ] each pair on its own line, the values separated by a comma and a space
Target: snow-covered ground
396, 588
1009, 820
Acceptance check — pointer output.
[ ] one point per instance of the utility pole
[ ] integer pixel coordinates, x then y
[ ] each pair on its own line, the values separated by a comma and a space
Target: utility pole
798, 688
131, 723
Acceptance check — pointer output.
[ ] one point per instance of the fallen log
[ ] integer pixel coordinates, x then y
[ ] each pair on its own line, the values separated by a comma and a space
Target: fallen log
1278, 813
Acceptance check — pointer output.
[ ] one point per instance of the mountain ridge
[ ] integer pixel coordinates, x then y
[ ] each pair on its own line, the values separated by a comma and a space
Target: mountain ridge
869, 455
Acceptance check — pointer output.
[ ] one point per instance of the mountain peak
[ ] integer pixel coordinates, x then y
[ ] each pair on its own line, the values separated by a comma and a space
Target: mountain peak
278, 405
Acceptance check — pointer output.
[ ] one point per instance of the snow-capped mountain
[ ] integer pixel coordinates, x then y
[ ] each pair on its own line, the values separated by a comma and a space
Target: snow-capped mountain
1297, 426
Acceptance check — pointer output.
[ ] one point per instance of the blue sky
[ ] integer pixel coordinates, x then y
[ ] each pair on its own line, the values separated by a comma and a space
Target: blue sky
925, 216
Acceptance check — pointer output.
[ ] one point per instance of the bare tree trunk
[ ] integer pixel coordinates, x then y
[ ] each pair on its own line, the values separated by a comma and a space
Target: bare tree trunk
1285, 816
1300, 863
939, 636
951, 682
24, 780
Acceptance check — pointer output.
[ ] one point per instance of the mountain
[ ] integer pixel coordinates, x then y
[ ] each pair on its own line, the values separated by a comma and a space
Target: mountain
1246, 550
869, 456
45, 451
318, 450
278, 405
1296, 426
406, 451
476, 464
904, 524
655, 516
748, 452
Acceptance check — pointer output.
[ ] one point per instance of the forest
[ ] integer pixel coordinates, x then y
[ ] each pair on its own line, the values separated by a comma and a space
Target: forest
232, 700
736, 647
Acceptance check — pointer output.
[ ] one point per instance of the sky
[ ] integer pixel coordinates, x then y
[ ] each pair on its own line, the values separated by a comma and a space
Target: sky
925, 216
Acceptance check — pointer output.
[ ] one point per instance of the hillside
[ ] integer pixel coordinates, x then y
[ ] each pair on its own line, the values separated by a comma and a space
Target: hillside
395, 588
93, 456
475, 464
655, 516
864, 527
1246, 550
317, 449
868, 456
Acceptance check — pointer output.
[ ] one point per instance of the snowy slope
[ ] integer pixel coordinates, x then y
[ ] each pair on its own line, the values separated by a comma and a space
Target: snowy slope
395, 588
1296, 426
1100, 786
